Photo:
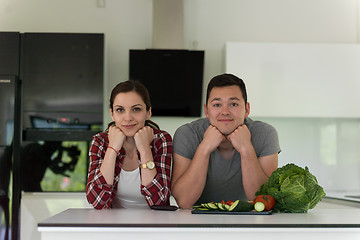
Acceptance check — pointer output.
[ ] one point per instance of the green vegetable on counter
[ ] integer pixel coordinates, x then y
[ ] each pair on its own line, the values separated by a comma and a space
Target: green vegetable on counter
259, 206
294, 189
236, 206
241, 206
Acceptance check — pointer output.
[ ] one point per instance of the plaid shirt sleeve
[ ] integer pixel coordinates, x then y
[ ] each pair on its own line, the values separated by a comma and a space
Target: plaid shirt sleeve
98, 192
158, 191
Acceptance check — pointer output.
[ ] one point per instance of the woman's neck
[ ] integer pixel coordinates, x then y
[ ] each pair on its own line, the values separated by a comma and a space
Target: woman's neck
129, 146
131, 160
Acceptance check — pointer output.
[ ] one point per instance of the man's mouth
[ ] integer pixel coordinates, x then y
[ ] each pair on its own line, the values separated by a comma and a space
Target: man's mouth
225, 120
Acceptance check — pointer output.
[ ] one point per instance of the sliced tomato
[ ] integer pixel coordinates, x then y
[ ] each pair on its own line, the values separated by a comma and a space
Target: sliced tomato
229, 202
268, 201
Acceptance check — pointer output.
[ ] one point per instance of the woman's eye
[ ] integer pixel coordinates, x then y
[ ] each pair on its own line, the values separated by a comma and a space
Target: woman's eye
136, 109
119, 109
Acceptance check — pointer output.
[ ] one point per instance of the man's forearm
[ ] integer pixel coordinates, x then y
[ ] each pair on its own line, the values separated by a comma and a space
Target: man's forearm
253, 173
188, 187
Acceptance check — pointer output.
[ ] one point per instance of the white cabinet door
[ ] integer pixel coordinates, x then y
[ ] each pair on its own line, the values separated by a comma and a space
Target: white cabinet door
298, 80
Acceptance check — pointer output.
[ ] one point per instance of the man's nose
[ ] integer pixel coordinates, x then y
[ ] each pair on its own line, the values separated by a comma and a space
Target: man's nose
225, 110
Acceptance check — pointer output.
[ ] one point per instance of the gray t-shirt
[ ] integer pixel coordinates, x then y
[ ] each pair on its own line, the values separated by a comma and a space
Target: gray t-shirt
224, 177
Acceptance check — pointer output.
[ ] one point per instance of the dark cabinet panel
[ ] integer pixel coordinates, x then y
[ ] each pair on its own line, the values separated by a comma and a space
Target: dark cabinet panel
62, 77
173, 75
9, 54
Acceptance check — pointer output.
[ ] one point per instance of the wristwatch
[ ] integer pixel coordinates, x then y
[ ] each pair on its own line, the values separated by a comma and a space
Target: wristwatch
149, 165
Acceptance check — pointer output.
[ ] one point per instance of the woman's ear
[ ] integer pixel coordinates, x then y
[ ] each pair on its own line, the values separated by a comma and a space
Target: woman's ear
148, 114
111, 114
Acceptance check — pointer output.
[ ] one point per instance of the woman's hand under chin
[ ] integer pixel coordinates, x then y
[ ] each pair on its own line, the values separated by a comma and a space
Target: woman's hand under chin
116, 137
143, 138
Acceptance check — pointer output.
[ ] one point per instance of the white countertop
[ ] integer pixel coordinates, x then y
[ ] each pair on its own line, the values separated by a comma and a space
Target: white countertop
348, 196
325, 214
331, 219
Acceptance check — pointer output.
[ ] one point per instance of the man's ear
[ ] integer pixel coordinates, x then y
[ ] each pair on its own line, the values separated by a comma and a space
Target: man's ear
247, 109
206, 110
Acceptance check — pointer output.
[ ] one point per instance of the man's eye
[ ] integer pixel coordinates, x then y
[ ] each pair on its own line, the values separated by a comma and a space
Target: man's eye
217, 105
234, 104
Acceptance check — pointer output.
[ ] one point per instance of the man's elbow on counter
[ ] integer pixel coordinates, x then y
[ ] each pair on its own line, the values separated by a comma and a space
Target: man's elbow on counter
183, 203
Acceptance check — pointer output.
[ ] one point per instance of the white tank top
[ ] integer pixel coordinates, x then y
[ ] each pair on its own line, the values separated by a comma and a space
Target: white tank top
128, 192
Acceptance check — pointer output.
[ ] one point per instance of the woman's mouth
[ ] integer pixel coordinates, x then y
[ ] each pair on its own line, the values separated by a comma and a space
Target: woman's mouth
128, 126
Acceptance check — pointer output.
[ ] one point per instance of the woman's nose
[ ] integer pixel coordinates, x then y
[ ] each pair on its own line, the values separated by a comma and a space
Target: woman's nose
128, 116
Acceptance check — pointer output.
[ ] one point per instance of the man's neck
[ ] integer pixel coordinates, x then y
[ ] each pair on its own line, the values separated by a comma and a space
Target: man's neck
226, 150
225, 146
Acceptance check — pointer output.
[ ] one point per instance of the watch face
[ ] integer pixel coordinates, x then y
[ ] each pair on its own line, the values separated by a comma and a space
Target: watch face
150, 165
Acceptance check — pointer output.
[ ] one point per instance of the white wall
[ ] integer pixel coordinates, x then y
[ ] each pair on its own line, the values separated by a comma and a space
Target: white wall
211, 23
298, 79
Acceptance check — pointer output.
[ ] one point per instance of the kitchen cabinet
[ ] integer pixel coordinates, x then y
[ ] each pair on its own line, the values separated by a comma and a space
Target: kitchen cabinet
330, 219
298, 79
62, 77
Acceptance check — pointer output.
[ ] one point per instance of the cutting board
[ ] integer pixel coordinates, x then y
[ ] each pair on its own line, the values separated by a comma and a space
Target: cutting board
197, 211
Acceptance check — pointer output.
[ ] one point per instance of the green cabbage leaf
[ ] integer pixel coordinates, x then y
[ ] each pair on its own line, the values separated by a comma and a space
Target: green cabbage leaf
294, 189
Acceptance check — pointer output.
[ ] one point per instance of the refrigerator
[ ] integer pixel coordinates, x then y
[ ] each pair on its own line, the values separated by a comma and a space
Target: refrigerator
59, 98
10, 140
10, 134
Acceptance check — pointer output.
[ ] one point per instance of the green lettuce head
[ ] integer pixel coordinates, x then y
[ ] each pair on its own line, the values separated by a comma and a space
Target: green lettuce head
295, 189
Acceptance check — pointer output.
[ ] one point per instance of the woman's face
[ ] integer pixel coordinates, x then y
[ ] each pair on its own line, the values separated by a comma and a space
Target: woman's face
129, 112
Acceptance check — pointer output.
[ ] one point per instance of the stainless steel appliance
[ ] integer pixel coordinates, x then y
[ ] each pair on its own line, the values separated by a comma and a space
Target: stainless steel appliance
10, 132
10, 140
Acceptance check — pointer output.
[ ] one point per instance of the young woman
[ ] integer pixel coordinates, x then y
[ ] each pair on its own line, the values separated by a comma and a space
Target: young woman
130, 162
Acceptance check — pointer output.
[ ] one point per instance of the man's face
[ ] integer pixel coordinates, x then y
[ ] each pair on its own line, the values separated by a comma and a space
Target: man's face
226, 108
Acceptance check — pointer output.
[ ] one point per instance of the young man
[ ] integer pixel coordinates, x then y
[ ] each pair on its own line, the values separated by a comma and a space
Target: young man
225, 156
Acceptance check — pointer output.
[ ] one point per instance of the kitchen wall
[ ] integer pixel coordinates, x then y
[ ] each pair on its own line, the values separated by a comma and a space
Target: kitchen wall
328, 146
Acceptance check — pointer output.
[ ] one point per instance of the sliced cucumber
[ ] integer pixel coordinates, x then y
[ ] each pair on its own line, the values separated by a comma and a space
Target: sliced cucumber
203, 209
241, 206
237, 206
259, 206
212, 206
204, 205
221, 206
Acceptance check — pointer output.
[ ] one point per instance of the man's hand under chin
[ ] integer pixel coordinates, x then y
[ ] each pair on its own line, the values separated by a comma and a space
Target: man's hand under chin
240, 138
